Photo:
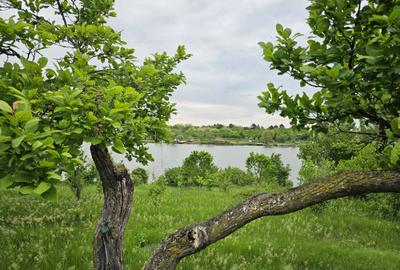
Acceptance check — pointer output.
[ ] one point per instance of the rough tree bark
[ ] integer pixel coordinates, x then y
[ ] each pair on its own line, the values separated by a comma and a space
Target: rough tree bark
117, 190
196, 237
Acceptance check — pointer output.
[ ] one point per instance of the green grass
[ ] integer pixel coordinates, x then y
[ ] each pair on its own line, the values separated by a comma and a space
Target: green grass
35, 234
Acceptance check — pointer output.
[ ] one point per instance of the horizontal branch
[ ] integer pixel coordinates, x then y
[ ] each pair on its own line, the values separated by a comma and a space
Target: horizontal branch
196, 237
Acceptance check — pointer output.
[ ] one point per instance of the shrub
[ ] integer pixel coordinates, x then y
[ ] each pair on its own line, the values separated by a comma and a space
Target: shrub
197, 166
157, 189
268, 169
309, 171
139, 176
235, 176
173, 177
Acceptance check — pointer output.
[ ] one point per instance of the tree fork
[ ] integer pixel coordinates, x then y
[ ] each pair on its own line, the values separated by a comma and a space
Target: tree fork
118, 191
196, 237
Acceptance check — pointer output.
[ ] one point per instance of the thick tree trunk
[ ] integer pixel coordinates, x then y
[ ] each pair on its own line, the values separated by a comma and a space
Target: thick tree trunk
118, 190
196, 237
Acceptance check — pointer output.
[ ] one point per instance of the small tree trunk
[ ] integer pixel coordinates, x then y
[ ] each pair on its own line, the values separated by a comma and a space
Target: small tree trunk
118, 190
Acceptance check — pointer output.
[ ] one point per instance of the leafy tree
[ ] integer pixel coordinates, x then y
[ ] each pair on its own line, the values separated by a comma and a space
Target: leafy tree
94, 92
268, 168
352, 60
197, 166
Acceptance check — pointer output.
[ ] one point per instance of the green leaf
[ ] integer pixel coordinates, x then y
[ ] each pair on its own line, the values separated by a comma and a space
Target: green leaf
118, 146
6, 181
50, 194
36, 145
77, 130
42, 187
54, 176
32, 125
4, 147
42, 62
395, 124
5, 107
25, 190
17, 141
395, 154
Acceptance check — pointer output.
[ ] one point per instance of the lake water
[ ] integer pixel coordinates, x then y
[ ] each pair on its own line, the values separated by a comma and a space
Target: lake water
172, 155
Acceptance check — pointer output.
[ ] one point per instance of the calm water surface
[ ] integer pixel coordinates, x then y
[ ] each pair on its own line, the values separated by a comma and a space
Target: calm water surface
172, 155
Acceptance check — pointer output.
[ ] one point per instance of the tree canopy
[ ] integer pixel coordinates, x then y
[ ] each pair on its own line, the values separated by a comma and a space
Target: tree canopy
94, 90
352, 61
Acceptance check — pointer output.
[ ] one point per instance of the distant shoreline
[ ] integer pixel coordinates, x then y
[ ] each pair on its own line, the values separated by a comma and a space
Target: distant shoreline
230, 143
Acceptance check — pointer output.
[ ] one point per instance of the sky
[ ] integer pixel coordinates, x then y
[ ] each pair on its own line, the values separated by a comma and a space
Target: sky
226, 72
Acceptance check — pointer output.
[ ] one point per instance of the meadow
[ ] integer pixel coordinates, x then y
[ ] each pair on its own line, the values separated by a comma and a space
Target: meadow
39, 234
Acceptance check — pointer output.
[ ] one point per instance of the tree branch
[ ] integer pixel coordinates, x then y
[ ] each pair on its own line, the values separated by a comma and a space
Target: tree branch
61, 12
196, 237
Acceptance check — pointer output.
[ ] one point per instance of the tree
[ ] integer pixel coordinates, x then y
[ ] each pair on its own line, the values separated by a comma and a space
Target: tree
269, 169
95, 92
196, 167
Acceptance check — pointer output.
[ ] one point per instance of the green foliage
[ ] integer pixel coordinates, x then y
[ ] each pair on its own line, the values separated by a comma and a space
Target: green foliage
268, 169
235, 176
197, 168
139, 176
96, 92
219, 134
352, 60
173, 177
156, 191
310, 171
333, 146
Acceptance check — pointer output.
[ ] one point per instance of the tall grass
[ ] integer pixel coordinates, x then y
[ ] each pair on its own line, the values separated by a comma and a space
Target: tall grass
35, 234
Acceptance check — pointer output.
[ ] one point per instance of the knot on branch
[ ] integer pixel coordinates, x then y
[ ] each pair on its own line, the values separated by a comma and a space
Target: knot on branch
198, 236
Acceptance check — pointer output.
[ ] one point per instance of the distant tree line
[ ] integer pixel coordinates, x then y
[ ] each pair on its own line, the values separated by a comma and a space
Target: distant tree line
231, 134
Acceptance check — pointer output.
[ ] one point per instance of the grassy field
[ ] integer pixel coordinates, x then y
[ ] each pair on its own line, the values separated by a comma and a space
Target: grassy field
35, 234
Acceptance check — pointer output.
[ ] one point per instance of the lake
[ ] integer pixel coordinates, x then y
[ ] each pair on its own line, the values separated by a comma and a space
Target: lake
172, 155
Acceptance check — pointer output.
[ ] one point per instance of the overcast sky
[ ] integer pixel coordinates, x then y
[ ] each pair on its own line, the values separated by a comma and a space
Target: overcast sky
226, 72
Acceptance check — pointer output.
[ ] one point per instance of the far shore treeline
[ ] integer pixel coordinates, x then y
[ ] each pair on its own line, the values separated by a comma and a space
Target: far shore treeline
238, 135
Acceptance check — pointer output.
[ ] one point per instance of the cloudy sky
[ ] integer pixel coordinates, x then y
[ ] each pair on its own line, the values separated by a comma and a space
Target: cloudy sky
226, 72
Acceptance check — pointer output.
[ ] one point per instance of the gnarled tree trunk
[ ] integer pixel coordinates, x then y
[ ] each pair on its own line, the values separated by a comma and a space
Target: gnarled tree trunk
118, 190
196, 237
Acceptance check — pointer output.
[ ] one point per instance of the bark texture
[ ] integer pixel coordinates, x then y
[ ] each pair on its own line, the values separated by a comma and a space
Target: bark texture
118, 190
196, 237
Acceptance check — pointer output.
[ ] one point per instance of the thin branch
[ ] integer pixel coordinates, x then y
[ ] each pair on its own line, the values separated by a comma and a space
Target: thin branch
61, 12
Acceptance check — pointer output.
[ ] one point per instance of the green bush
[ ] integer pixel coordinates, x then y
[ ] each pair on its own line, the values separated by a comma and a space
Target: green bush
139, 176
268, 169
235, 176
173, 177
197, 167
309, 171
157, 189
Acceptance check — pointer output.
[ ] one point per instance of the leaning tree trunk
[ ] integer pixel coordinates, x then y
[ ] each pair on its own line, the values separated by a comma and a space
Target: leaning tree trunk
118, 190
196, 237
